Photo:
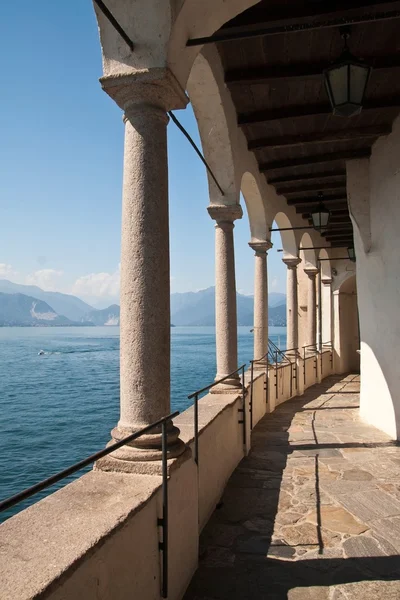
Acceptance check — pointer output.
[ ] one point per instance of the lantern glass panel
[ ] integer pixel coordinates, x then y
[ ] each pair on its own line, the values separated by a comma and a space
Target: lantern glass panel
320, 219
358, 82
338, 82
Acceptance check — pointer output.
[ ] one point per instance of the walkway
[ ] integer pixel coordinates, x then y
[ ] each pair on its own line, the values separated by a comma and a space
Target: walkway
313, 513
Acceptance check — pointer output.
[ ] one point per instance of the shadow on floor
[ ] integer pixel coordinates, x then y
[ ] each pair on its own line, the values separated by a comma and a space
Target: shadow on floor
284, 527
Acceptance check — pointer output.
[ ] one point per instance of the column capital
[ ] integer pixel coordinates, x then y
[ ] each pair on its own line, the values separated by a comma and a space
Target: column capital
291, 263
312, 272
155, 87
261, 247
222, 213
327, 280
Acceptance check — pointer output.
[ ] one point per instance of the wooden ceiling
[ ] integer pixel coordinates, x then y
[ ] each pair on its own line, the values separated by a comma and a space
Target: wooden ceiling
274, 72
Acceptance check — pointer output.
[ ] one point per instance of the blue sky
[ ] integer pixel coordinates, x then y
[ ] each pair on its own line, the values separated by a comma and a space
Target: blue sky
61, 166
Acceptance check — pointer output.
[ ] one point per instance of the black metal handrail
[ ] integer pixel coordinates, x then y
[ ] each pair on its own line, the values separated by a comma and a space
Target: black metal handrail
162, 522
196, 395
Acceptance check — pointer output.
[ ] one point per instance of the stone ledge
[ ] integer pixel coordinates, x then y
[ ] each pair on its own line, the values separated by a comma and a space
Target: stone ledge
50, 539
210, 407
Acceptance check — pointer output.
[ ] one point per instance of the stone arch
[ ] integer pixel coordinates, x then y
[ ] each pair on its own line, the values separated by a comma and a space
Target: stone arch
255, 208
309, 257
326, 268
208, 107
289, 244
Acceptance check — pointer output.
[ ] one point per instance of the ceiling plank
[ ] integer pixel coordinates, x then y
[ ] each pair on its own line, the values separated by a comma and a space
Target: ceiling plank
285, 191
261, 75
295, 141
308, 110
307, 176
313, 160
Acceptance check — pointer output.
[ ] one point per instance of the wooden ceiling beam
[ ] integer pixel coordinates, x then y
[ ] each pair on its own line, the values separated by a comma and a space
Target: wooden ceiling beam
308, 110
267, 73
344, 15
307, 201
325, 137
307, 177
285, 191
264, 12
314, 160
337, 233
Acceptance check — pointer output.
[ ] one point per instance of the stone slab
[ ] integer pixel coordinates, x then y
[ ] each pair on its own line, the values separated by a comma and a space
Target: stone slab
370, 506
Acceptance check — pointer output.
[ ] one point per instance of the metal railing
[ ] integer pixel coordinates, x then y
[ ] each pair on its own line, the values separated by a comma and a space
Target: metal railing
161, 522
203, 390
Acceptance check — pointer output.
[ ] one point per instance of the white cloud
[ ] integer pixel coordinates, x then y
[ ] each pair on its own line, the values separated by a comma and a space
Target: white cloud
98, 285
275, 283
47, 279
7, 272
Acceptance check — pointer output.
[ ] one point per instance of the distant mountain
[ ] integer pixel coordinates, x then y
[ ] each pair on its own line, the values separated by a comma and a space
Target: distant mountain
198, 309
64, 304
276, 299
105, 316
21, 310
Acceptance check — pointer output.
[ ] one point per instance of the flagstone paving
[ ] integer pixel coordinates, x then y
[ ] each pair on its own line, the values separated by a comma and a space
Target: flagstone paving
313, 513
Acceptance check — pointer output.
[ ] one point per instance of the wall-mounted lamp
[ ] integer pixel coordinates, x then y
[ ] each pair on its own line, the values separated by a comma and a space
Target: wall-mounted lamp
346, 81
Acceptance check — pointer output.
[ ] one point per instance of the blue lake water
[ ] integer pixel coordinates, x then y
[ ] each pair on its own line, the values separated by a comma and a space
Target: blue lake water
58, 408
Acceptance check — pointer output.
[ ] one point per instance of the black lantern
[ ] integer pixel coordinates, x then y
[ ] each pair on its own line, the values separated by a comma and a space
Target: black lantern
351, 253
346, 82
320, 217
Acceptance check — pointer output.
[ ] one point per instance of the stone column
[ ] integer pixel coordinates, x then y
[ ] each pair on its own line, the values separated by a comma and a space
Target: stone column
326, 299
260, 300
145, 275
225, 295
292, 335
311, 307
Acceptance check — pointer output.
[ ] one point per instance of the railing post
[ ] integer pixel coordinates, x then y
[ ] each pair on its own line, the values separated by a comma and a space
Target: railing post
291, 378
244, 409
163, 522
266, 381
276, 374
304, 366
196, 429
251, 394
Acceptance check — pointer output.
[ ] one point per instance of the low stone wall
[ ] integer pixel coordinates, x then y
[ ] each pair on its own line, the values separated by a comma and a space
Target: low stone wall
98, 537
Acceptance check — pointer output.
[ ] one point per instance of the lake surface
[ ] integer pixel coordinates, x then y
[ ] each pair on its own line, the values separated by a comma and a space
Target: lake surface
59, 407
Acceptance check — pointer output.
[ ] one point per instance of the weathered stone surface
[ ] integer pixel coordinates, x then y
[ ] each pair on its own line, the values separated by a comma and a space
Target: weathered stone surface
362, 545
389, 529
374, 505
337, 519
357, 475
370, 590
309, 593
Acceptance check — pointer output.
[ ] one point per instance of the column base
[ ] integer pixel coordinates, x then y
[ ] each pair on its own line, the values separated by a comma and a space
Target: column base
144, 466
233, 385
260, 365
146, 449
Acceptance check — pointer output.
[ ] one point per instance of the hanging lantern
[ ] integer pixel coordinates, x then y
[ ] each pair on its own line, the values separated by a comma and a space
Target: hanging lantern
351, 253
320, 217
346, 82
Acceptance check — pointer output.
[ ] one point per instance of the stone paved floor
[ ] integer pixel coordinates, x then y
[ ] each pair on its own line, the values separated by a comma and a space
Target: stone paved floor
312, 513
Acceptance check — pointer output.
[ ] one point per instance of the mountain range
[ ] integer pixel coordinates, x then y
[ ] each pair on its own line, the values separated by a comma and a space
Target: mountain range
22, 305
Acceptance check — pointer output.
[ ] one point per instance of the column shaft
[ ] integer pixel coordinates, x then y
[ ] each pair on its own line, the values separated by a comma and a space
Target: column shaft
292, 335
225, 295
311, 308
260, 298
145, 278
